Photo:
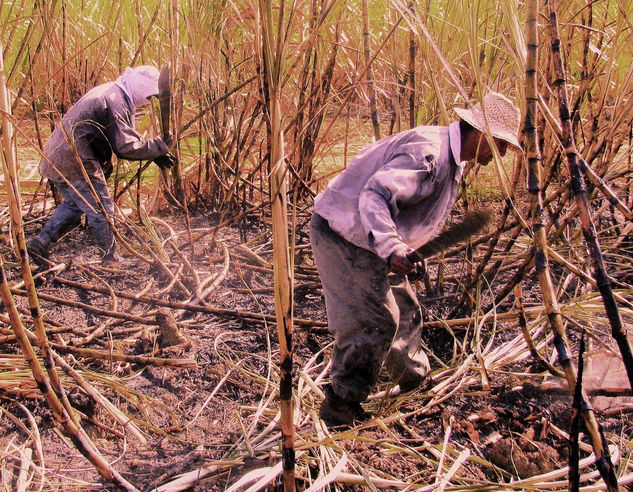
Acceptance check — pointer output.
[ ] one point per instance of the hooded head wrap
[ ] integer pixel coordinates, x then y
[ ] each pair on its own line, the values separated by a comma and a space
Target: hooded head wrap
139, 83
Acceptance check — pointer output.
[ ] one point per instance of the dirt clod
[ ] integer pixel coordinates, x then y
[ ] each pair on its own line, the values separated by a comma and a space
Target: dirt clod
169, 334
526, 459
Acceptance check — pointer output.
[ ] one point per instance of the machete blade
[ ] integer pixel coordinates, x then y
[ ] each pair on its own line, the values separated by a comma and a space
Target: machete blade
164, 98
456, 233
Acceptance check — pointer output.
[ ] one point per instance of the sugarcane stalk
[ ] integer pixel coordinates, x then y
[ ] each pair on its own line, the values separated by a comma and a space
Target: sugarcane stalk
132, 359
574, 426
123, 419
27, 349
10, 336
60, 414
87, 307
528, 337
144, 35
599, 183
42, 16
317, 101
23, 48
9, 161
369, 79
582, 203
494, 240
64, 83
187, 306
558, 258
174, 43
309, 53
359, 77
592, 175
540, 240
411, 74
8, 40
272, 56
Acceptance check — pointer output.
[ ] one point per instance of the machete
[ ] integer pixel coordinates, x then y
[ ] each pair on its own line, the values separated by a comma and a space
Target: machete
473, 223
164, 99
166, 161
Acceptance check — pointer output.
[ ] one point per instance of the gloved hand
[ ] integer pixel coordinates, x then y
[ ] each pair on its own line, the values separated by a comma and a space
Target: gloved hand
169, 140
399, 263
166, 161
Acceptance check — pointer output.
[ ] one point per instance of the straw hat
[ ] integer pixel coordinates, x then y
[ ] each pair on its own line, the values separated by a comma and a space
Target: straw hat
503, 117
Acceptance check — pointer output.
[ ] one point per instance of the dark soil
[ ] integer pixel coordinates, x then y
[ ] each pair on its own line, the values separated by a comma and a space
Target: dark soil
510, 422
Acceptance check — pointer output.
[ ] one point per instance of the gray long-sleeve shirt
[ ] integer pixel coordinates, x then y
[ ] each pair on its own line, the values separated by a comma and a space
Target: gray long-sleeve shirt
99, 124
398, 191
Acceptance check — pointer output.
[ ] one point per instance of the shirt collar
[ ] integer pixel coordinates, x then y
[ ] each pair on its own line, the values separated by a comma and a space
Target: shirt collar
455, 139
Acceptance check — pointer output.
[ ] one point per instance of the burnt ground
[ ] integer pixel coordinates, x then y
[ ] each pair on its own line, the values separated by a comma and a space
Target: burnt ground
221, 415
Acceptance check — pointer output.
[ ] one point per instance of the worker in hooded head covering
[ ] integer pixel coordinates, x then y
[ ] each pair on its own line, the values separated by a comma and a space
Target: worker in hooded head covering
77, 157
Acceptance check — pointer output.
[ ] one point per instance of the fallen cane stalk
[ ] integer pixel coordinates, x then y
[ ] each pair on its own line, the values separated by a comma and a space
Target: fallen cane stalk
528, 337
188, 306
89, 308
204, 289
585, 276
124, 420
132, 359
60, 413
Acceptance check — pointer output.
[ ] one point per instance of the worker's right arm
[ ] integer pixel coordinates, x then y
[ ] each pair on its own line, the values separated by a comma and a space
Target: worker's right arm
126, 142
400, 183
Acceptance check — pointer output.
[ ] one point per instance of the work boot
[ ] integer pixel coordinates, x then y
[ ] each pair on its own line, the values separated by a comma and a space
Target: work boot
409, 386
337, 411
38, 250
106, 243
111, 260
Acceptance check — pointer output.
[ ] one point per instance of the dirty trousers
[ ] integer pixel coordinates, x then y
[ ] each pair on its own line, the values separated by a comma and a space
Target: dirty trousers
375, 317
70, 210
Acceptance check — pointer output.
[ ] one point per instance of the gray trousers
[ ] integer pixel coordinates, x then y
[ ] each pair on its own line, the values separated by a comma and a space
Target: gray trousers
375, 317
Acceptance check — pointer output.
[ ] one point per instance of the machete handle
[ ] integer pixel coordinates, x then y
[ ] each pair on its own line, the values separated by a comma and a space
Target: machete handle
414, 257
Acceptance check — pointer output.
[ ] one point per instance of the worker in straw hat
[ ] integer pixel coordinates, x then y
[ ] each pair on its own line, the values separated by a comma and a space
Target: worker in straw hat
80, 149
392, 198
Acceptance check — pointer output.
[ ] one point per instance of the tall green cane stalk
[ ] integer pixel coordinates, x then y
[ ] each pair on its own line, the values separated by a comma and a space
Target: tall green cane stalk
582, 202
273, 51
540, 243
411, 75
368, 72
47, 381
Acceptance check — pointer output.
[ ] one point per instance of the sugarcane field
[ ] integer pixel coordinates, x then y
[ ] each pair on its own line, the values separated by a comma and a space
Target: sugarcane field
316, 245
